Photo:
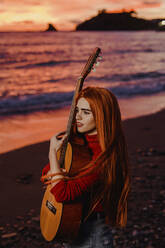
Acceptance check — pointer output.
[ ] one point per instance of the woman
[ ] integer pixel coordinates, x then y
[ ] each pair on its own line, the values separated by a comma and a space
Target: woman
103, 182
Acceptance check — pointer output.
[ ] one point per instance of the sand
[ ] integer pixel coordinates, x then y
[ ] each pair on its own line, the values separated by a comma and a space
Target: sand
22, 192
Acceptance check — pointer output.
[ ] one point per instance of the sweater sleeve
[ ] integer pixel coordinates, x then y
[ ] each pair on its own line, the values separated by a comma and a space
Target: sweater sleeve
65, 191
45, 169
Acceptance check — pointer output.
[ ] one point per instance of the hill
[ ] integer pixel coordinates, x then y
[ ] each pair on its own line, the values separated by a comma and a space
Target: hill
117, 21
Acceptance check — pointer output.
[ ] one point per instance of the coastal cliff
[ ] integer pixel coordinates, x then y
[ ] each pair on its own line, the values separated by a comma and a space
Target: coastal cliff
117, 21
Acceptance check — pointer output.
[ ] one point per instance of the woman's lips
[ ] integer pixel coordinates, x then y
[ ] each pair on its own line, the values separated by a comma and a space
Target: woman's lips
79, 124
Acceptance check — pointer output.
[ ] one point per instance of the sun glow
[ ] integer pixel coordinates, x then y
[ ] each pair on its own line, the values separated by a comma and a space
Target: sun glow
36, 14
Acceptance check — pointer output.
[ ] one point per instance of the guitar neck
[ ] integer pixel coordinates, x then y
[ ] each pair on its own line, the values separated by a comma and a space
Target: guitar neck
79, 86
86, 70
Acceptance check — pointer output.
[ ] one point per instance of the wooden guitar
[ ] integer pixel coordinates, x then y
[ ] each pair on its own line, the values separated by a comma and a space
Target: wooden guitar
62, 221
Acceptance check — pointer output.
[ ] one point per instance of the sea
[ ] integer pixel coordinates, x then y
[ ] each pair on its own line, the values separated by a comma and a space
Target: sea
39, 71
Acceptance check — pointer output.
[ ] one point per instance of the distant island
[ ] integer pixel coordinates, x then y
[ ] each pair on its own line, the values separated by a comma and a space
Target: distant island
51, 28
125, 20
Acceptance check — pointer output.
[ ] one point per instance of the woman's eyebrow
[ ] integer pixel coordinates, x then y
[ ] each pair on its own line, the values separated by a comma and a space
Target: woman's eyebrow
85, 109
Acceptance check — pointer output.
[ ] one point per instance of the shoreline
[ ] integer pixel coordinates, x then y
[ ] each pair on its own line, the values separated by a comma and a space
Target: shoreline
22, 130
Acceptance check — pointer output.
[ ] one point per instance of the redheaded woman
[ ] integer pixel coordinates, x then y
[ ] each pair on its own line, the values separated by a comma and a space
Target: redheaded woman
103, 183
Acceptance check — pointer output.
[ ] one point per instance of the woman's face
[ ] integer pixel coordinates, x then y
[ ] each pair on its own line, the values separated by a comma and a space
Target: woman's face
84, 117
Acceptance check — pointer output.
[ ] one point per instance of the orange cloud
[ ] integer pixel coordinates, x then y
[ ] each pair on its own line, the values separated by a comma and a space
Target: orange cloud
64, 14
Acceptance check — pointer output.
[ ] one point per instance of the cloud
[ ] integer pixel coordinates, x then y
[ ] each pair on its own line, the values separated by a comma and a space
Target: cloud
136, 4
148, 2
152, 4
75, 21
22, 2
67, 13
26, 22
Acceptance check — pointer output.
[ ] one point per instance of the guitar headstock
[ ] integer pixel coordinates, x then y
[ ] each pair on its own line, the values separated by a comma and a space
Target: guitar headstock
92, 61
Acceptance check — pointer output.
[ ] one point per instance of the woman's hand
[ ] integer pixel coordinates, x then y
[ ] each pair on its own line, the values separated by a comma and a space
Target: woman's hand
56, 142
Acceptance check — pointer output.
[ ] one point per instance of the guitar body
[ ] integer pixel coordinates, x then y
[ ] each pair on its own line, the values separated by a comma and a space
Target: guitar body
50, 215
62, 221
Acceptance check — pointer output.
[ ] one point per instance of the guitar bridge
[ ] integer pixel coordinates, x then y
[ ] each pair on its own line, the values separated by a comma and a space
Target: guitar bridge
51, 207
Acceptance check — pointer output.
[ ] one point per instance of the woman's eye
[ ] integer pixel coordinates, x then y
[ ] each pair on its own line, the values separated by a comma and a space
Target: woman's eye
86, 112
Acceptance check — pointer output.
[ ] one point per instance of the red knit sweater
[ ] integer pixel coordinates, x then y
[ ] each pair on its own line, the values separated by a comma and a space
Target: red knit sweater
65, 191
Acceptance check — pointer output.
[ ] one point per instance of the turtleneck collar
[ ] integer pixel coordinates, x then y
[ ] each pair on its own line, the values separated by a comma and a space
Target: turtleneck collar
91, 138
93, 144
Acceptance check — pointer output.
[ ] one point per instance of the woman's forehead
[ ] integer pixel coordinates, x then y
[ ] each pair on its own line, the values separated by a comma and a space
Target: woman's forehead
83, 103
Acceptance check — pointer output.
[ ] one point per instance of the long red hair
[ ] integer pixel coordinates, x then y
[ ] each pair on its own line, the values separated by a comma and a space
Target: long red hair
113, 161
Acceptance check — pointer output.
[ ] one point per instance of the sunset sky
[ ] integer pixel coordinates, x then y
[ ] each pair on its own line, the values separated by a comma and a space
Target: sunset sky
19, 15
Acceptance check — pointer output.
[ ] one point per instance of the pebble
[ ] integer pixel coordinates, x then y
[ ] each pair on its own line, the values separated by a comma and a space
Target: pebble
162, 192
24, 179
135, 233
8, 235
20, 218
145, 227
37, 218
28, 222
21, 228
149, 152
153, 166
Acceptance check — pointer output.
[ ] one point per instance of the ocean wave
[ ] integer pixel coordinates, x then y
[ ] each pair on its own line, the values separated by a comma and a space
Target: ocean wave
4, 55
129, 77
146, 50
136, 89
31, 103
57, 100
45, 52
48, 63
24, 44
29, 65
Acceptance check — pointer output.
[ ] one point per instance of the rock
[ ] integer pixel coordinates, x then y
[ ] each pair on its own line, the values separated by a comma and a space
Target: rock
28, 222
20, 218
51, 28
162, 192
135, 233
9, 235
24, 179
37, 218
125, 20
145, 209
21, 228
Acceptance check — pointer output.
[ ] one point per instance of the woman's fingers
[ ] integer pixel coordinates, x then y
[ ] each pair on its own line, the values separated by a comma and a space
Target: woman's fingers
60, 135
57, 140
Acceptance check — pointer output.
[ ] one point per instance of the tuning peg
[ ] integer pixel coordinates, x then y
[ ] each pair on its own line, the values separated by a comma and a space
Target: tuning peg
100, 57
97, 63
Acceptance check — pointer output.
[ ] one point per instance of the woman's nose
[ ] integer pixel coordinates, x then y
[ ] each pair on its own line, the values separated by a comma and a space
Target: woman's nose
78, 116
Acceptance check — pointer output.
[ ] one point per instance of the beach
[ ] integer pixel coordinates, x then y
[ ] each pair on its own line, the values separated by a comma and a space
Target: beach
38, 77
22, 191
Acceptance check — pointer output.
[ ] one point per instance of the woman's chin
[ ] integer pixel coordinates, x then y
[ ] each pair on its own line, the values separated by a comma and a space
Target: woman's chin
80, 130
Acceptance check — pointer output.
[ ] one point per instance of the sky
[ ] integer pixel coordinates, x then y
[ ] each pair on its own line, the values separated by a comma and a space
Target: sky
34, 15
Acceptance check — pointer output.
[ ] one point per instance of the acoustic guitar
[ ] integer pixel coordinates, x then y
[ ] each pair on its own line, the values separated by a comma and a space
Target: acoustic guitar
57, 220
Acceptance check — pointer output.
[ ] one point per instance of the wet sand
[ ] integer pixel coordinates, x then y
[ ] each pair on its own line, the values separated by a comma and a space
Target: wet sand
22, 130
